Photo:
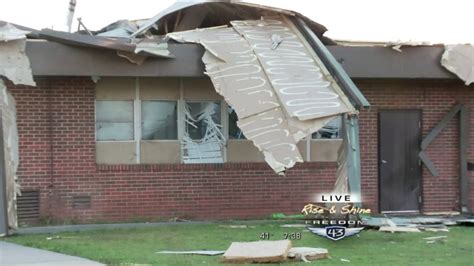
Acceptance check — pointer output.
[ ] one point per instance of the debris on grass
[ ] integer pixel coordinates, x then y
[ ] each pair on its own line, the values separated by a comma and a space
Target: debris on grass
430, 224
466, 222
345, 260
257, 251
449, 222
194, 252
431, 240
234, 226
435, 229
397, 229
426, 220
62, 237
449, 213
307, 254
435, 238
294, 225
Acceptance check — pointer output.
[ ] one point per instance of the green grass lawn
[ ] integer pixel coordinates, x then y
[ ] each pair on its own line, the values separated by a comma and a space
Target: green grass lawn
139, 246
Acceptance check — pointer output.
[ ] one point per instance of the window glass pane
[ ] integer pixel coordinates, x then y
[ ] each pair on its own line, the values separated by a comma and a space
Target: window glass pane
114, 120
159, 120
196, 125
234, 130
330, 131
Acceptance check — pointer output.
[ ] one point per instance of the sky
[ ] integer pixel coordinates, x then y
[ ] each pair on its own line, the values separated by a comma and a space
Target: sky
432, 21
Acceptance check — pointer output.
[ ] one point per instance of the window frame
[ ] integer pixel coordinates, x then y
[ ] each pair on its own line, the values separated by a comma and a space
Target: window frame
177, 122
137, 119
95, 121
181, 102
220, 102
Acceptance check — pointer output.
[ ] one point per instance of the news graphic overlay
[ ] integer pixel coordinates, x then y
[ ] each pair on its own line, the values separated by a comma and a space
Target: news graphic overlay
334, 216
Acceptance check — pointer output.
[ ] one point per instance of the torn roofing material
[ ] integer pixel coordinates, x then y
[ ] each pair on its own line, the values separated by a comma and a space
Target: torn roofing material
459, 59
188, 15
14, 63
279, 89
121, 36
119, 29
8, 32
29, 32
143, 47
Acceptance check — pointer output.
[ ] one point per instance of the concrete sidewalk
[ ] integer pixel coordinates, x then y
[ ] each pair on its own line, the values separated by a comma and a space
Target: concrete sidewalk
13, 254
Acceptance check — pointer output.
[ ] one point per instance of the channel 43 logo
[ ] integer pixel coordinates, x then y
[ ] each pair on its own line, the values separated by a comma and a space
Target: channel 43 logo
335, 232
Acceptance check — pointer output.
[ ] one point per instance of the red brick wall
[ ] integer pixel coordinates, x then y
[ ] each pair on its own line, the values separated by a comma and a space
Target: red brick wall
57, 156
435, 99
58, 116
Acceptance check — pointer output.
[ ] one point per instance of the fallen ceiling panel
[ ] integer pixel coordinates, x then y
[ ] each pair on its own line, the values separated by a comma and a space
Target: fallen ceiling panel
278, 88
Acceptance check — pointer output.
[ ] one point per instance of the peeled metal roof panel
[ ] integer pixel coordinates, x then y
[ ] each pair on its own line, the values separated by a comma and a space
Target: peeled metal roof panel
173, 8
237, 7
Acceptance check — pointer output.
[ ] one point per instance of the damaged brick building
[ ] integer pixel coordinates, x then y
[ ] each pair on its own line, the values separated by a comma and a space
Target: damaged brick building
103, 134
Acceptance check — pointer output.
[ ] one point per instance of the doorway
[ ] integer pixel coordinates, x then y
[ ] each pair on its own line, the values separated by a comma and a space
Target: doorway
399, 165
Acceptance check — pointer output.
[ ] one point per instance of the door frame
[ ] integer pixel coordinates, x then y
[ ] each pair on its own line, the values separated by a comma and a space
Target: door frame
421, 198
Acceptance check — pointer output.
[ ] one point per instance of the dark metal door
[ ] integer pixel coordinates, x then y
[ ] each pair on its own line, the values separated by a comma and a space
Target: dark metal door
399, 167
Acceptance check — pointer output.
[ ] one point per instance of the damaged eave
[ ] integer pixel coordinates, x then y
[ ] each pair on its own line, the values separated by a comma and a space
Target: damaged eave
55, 59
140, 47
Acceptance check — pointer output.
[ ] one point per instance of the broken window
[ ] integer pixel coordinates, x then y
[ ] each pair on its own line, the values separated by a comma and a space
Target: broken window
330, 130
114, 120
234, 130
203, 140
159, 120
198, 122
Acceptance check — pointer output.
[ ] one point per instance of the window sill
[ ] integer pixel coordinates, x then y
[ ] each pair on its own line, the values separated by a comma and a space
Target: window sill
210, 167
